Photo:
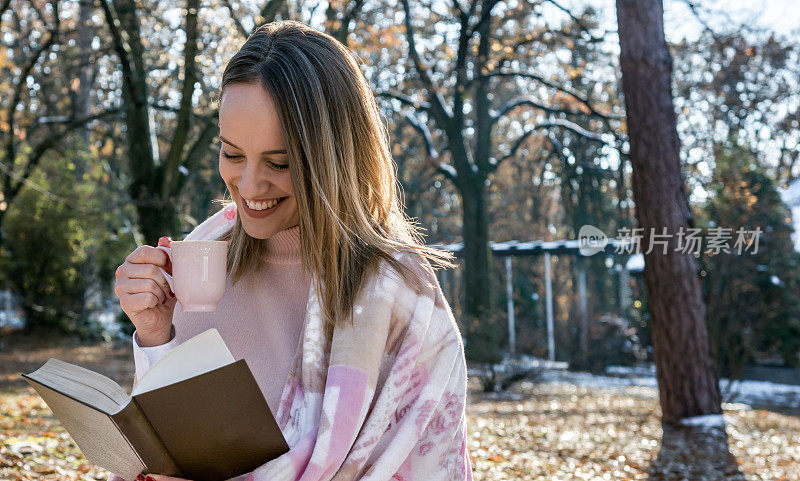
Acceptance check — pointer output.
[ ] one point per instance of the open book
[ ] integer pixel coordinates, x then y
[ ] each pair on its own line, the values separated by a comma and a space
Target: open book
195, 414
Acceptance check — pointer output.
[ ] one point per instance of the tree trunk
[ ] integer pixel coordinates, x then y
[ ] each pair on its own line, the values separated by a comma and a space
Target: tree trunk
684, 367
477, 268
155, 184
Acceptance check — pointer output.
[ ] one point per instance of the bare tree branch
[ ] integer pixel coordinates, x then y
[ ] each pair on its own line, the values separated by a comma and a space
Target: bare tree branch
198, 148
438, 105
242, 31
514, 103
461, 67
22, 81
513, 149
546, 125
121, 42
577, 20
572, 126
433, 156
4, 7
717, 13
178, 142
571, 92
423, 129
405, 99
457, 7
164, 107
486, 15
270, 10
51, 141
347, 18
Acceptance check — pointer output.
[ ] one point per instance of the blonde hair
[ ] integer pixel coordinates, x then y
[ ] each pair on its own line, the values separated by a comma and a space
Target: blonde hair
344, 177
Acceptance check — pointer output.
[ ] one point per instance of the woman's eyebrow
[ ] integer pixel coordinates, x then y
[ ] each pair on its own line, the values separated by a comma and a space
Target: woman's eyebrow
266, 152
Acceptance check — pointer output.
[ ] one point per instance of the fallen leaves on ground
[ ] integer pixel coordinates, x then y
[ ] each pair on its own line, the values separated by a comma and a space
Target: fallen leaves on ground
542, 431
564, 432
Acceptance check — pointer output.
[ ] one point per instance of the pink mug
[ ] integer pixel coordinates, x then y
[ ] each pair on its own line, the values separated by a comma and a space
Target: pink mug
199, 272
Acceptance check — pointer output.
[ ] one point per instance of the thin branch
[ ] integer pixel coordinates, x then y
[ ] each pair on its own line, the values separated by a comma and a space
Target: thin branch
22, 80
164, 107
242, 31
473, 7
486, 15
571, 92
545, 125
706, 27
405, 99
439, 108
458, 8
423, 129
577, 20
198, 148
41, 149
514, 103
4, 7
460, 67
433, 156
121, 44
572, 126
347, 18
514, 149
270, 10
178, 143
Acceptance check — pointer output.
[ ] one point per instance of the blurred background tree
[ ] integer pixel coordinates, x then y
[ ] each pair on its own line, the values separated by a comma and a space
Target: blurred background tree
52, 229
751, 292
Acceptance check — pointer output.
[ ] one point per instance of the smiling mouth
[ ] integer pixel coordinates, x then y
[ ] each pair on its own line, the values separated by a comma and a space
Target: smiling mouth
263, 205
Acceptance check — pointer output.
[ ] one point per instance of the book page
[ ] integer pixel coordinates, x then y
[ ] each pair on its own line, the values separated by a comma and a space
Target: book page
81, 384
200, 354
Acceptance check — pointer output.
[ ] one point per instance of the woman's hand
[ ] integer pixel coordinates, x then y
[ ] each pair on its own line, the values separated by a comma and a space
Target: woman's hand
144, 294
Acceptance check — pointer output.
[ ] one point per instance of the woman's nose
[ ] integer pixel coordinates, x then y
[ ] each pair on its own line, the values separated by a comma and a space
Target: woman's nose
254, 180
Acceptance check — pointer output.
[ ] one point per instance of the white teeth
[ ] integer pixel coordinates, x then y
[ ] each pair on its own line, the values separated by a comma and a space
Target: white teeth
261, 205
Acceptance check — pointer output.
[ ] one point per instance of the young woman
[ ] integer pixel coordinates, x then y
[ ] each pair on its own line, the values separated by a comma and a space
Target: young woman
331, 295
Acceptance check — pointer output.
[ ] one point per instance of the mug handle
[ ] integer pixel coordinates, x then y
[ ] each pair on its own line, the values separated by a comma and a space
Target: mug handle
168, 277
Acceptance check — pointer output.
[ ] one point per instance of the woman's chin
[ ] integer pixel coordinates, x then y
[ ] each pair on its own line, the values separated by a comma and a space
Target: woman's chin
260, 232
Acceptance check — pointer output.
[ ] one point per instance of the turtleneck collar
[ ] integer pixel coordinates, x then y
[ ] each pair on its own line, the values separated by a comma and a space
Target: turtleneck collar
284, 247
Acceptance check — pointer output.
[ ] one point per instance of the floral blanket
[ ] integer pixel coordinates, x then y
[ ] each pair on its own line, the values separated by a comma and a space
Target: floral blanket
386, 401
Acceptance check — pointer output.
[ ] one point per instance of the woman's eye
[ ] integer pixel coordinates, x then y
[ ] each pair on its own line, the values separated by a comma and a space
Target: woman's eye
230, 156
278, 166
275, 166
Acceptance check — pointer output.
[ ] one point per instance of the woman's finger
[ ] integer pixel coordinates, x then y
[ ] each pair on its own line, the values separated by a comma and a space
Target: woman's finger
148, 255
142, 301
147, 271
133, 287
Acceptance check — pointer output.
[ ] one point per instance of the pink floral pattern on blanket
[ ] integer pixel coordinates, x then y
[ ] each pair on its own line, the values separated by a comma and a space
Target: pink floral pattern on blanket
381, 398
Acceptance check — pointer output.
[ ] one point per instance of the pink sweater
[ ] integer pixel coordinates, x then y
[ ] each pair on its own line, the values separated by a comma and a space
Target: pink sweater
260, 318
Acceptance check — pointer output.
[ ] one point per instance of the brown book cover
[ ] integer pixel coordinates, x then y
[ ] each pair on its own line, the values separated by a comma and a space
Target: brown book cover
206, 427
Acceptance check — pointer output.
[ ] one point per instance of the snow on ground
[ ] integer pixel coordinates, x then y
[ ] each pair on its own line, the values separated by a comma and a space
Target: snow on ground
751, 393
708, 421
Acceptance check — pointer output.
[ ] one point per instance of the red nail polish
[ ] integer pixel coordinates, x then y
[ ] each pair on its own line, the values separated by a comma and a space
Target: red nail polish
171, 294
149, 478
140, 477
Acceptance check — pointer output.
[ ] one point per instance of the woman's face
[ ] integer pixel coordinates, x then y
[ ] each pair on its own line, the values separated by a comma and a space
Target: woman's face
253, 161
